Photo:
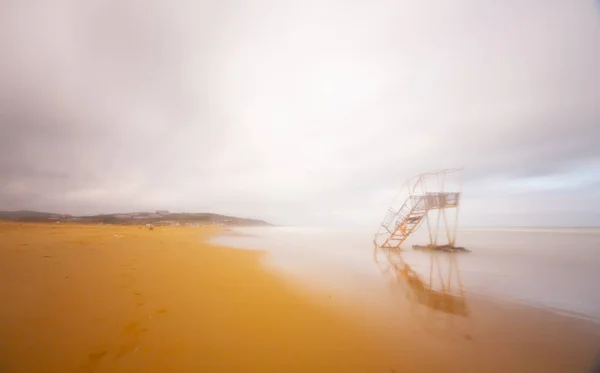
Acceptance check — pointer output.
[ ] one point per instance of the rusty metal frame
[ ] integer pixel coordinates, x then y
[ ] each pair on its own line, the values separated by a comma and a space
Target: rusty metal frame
401, 222
442, 292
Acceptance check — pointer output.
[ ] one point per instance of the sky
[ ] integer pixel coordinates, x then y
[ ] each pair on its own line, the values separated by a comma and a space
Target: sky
300, 112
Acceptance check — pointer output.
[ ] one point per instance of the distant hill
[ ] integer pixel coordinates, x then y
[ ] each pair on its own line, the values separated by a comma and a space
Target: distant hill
157, 218
24, 214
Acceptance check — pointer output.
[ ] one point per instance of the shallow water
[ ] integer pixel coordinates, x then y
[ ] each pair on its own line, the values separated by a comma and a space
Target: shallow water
554, 268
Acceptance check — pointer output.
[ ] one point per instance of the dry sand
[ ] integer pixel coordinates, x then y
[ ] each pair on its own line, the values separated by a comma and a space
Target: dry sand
125, 299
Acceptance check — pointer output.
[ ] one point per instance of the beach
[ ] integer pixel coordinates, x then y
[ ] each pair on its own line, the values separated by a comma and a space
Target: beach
107, 298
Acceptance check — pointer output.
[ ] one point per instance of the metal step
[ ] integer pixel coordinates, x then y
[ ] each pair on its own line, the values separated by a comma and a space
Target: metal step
408, 216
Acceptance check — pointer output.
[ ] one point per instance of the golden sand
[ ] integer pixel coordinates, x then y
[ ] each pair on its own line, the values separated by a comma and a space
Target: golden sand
127, 299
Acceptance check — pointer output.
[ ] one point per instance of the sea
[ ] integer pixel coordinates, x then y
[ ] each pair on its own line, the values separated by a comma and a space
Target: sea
553, 268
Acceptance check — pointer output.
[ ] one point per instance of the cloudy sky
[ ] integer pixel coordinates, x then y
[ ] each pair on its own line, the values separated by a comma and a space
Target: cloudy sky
300, 112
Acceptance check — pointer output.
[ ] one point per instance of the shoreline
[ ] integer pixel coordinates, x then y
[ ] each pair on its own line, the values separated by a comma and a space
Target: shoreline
284, 251
497, 320
488, 301
125, 299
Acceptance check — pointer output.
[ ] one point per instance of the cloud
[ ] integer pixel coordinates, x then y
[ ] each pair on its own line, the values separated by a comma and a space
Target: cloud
295, 112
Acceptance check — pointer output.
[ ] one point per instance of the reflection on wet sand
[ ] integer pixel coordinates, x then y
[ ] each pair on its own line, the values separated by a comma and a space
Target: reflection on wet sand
421, 317
442, 291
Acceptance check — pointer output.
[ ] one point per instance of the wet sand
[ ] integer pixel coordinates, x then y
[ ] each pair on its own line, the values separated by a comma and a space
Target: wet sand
124, 299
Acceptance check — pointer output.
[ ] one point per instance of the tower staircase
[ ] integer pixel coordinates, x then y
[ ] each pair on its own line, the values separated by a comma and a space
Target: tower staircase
399, 223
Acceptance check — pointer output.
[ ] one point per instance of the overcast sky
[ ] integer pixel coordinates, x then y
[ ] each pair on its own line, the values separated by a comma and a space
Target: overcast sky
300, 112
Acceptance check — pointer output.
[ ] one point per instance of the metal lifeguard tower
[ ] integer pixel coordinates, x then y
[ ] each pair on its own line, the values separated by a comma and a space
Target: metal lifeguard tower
425, 198
432, 199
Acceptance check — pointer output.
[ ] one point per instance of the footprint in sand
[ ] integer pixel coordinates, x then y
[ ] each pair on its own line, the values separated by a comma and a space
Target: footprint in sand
140, 301
94, 359
134, 328
127, 348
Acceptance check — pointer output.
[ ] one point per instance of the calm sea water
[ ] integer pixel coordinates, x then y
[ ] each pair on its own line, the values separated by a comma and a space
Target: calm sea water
555, 268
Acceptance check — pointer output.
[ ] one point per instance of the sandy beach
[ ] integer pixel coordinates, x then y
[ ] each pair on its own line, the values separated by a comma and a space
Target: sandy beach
103, 298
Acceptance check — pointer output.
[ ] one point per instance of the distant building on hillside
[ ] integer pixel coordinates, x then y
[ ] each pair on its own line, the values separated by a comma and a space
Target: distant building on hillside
162, 212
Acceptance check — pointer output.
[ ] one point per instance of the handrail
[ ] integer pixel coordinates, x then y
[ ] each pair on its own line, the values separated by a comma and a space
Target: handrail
416, 204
